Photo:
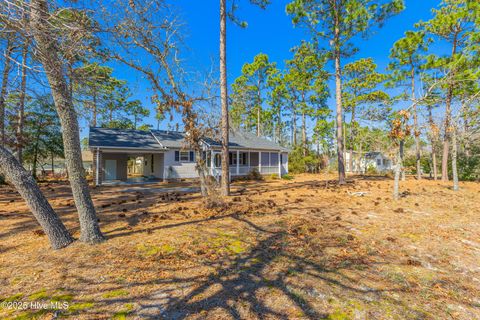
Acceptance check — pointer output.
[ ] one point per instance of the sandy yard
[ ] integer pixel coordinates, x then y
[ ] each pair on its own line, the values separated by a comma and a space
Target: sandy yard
279, 249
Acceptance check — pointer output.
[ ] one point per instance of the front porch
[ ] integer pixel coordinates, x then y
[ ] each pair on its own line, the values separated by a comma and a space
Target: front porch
242, 162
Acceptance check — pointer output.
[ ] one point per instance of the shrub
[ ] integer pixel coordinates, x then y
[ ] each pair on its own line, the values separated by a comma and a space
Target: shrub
2, 179
371, 169
299, 163
254, 175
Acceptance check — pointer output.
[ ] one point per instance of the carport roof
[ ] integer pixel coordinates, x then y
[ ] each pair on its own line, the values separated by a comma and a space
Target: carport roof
122, 138
161, 139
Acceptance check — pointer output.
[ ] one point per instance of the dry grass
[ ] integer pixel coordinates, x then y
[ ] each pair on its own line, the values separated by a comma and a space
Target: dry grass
304, 248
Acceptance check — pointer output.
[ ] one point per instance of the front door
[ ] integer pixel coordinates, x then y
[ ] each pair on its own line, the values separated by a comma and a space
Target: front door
110, 169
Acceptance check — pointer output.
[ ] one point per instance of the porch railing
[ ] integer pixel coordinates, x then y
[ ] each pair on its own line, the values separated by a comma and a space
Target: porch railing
244, 170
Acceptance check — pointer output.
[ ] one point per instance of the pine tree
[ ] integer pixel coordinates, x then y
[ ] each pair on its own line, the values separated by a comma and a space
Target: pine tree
338, 22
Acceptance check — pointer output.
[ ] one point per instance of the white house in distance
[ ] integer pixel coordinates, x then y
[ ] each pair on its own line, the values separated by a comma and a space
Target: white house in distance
361, 162
120, 155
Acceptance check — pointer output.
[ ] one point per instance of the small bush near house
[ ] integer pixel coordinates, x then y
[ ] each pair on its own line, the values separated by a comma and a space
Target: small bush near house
254, 175
298, 163
371, 169
287, 177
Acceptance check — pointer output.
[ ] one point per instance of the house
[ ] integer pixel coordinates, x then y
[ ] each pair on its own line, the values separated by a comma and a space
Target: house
129, 155
363, 162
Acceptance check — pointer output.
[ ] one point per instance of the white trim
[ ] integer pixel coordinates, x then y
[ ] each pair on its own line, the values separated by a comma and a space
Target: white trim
238, 162
279, 165
157, 139
97, 169
260, 162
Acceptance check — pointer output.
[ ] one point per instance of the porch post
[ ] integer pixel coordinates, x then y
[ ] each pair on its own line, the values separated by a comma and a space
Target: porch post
211, 162
279, 166
97, 168
259, 162
238, 162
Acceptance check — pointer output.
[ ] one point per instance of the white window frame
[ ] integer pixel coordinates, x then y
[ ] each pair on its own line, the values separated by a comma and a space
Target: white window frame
182, 154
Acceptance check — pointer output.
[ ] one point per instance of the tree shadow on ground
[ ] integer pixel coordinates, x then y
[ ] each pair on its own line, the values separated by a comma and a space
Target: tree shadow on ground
263, 283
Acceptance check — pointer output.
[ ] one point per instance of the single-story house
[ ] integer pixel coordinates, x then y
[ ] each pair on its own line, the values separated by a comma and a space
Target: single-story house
120, 154
365, 161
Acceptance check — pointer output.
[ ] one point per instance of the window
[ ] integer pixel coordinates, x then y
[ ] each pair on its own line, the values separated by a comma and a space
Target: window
243, 158
379, 162
184, 156
217, 160
274, 159
265, 159
232, 158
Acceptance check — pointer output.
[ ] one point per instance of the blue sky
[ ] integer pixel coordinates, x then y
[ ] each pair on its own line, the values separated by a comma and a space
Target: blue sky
269, 31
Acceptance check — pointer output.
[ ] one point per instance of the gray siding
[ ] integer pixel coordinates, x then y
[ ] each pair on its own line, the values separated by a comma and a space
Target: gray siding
176, 169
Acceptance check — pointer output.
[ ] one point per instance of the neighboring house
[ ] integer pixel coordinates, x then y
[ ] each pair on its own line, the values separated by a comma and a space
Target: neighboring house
363, 162
123, 154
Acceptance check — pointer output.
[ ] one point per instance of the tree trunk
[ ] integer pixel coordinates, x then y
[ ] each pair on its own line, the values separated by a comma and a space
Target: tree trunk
21, 104
415, 128
51, 224
352, 139
294, 123
338, 97
3, 91
259, 132
225, 187
279, 125
48, 55
398, 170
454, 159
432, 142
448, 115
94, 120
402, 156
304, 134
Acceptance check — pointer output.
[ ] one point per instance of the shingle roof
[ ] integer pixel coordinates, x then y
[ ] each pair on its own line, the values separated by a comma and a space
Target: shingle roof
247, 140
158, 139
169, 139
121, 138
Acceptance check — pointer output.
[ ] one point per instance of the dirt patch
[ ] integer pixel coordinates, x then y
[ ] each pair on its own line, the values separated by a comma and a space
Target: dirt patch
299, 249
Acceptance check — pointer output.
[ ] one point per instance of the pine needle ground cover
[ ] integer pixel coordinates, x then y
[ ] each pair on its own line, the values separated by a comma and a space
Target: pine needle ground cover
303, 248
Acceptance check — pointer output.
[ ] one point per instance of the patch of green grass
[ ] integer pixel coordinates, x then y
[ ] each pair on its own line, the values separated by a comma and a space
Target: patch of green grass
167, 249
14, 297
31, 315
80, 306
39, 295
152, 250
61, 297
122, 315
339, 315
287, 177
115, 293
236, 247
